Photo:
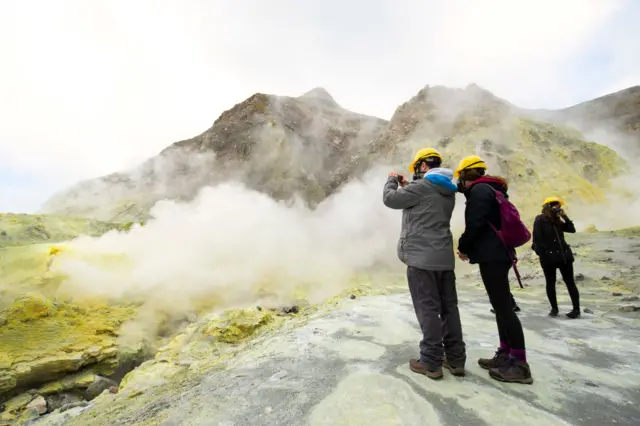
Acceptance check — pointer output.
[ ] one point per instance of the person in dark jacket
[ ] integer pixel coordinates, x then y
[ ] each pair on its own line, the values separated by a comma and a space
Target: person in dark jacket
554, 252
426, 247
480, 244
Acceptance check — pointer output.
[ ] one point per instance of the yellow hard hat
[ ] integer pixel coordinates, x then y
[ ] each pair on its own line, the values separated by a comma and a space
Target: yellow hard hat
421, 155
550, 200
470, 162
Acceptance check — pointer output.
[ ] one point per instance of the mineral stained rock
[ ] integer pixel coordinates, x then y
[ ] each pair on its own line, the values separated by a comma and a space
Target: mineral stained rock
309, 146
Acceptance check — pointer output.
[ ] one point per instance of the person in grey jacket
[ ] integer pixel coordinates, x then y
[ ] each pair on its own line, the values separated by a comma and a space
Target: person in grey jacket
426, 247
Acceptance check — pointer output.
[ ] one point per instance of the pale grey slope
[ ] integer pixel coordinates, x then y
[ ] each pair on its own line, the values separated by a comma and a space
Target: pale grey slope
348, 365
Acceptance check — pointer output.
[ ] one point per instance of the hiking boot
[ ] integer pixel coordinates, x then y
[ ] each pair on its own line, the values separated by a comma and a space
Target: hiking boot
455, 370
553, 312
514, 371
575, 313
498, 360
417, 367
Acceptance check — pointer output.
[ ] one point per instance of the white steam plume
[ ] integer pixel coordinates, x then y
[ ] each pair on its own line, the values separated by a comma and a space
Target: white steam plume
231, 241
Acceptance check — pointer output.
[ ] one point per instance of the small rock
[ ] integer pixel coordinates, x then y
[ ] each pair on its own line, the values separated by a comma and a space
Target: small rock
630, 299
3, 321
580, 277
587, 311
593, 385
259, 308
605, 278
39, 405
353, 296
28, 416
113, 389
616, 294
59, 400
609, 250
630, 308
99, 385
73, 405
291, 310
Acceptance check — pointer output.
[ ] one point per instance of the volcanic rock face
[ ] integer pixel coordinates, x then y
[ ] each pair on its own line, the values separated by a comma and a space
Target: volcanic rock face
309, 146
619, 111
536, 157
282, 146
613, 119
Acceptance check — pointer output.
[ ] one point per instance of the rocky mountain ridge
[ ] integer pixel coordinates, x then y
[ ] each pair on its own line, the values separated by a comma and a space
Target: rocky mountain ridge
309, 146
613, 119
275, 144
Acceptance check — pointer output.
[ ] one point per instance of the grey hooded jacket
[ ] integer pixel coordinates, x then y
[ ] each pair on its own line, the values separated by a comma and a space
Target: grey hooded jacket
427, 204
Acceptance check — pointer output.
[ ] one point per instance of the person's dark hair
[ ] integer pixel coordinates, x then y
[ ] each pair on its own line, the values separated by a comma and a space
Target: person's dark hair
433, 162
471, 174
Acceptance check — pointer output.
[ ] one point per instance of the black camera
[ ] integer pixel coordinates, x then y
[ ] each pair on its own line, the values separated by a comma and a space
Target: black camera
557, 210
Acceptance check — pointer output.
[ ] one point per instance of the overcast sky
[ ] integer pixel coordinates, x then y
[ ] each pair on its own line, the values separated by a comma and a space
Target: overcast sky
91, 87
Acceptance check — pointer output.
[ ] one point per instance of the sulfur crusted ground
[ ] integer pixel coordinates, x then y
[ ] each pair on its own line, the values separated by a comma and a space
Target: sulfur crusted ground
55, 340
345, 362
53, 343
19, 229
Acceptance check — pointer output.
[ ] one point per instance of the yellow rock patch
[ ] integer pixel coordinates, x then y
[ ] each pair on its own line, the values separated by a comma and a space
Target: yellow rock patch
42, 341
236, 325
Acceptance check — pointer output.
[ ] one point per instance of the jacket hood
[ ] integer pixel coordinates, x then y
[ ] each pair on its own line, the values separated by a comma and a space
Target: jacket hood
441, 178
496, 182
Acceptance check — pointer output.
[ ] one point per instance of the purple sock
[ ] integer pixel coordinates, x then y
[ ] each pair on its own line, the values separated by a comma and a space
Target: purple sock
504, 347
519, 354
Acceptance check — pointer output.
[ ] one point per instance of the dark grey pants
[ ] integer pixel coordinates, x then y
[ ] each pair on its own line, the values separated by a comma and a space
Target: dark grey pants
436, 303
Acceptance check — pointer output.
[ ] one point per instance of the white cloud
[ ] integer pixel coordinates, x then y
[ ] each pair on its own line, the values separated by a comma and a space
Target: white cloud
87, 88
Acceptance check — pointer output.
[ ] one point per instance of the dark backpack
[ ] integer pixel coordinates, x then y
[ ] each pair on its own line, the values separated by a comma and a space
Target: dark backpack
513, 232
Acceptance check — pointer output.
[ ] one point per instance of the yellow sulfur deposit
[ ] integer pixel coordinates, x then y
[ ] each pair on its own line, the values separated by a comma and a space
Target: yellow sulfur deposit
238, 324
43, 340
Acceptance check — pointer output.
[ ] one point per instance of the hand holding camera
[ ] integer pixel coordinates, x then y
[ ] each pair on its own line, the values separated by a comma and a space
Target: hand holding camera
401, 178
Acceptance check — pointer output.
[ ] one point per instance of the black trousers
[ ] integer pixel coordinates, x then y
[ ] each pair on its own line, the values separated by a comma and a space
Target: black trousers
495, 276
435, 301
566, 271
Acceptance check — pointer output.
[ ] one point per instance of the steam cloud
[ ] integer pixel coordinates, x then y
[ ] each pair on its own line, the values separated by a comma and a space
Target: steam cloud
239, 246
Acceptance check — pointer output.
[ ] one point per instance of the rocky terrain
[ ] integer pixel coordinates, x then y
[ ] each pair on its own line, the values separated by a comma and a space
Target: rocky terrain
324, 365
60, 353
309, 146
535, 156
20, 229
613, 118
279, 145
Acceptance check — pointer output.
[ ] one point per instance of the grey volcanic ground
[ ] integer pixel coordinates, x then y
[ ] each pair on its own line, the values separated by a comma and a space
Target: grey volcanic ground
348, 365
